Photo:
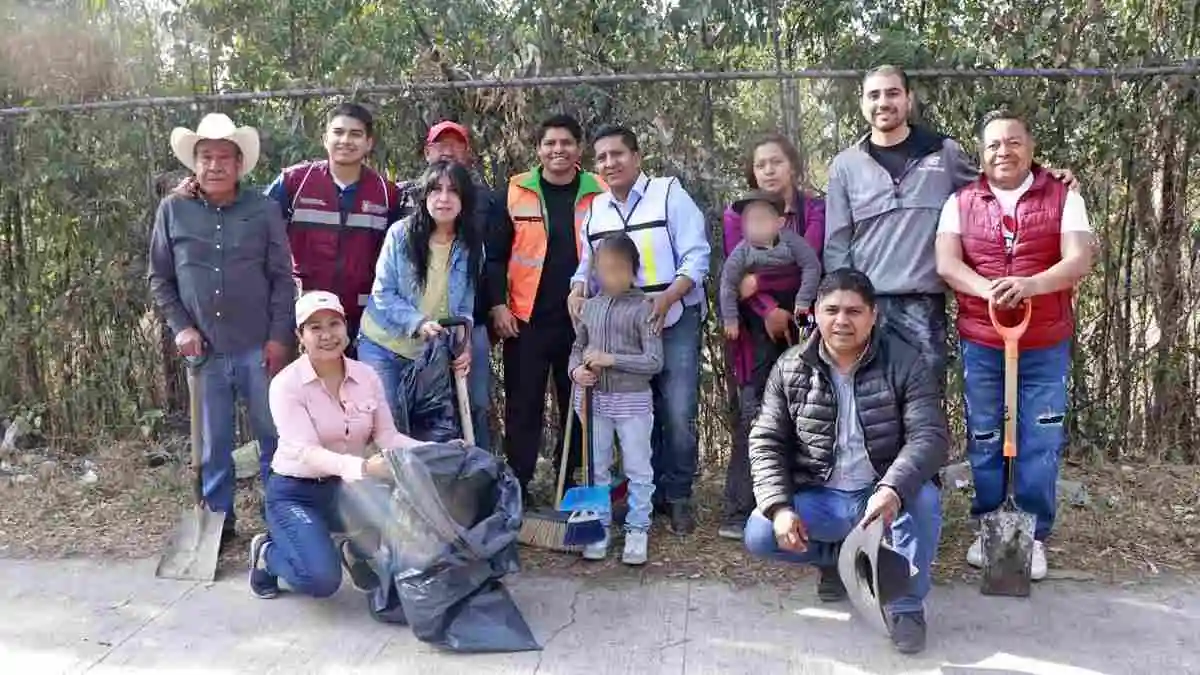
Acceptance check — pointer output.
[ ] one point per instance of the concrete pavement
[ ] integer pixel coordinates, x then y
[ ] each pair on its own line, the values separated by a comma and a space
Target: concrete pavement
85, 616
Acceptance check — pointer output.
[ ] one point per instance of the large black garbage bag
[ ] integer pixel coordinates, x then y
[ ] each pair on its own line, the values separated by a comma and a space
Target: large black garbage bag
451, 538
427, 396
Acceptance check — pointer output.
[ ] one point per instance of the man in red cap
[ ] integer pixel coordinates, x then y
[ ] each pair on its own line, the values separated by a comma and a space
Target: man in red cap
450, 141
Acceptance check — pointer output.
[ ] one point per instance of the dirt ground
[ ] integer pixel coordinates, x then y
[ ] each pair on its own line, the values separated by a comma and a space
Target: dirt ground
1141, 522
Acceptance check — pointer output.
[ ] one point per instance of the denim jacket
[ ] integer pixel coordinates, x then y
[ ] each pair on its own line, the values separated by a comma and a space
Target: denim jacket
395, 295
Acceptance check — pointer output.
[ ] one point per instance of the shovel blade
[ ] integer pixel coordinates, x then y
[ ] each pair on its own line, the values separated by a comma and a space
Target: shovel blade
1007, 552
192, 551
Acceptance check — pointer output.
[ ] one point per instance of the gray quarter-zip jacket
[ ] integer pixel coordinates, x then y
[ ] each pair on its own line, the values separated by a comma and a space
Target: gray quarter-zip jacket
886, 228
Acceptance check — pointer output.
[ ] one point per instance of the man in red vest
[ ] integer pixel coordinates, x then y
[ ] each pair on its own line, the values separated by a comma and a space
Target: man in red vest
338, 210
1017, 235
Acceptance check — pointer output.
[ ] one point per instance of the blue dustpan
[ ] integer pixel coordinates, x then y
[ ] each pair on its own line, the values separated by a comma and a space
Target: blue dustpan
588, 497
594, 498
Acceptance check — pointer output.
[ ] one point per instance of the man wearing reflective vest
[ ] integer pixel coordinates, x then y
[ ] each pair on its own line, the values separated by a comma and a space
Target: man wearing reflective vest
531, 257
668, 228
338, 210
1014, 237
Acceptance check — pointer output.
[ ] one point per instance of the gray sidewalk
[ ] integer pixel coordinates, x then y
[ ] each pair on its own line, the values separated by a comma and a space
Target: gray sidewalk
84, 616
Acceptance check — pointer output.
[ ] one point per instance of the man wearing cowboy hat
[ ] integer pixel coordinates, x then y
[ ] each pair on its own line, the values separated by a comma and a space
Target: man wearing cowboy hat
221, 273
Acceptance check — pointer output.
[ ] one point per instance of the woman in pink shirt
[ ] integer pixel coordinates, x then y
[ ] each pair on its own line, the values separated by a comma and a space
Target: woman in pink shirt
327, 408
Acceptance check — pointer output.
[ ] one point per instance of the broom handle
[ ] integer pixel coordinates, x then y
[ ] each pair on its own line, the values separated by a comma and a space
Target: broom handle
565, 456
585, 421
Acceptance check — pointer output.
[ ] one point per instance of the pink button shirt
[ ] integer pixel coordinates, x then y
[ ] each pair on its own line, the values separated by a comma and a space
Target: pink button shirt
324, 433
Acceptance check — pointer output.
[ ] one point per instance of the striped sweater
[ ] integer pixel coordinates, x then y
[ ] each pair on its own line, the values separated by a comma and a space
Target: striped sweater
619, 325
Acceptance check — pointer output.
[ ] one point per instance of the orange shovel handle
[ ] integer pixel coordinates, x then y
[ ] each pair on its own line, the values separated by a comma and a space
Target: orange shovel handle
1012, 338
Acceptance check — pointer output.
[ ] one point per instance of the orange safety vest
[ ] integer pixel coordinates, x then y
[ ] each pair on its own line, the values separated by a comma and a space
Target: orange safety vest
526, 208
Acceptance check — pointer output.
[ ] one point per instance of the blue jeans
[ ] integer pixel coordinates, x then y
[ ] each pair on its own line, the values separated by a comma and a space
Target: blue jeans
302, 517
634, 435
830, 514
676, 399
1041, 409
421, 400
479, 382
225, 378
392, 370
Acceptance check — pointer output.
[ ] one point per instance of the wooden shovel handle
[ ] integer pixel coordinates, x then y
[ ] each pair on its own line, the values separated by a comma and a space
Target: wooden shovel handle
1012, 356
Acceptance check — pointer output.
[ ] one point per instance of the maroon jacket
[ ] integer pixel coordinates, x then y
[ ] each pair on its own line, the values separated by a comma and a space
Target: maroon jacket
1038, 247
335, 245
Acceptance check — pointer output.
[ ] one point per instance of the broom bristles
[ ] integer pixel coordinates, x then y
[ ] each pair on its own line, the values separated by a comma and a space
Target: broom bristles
545, 531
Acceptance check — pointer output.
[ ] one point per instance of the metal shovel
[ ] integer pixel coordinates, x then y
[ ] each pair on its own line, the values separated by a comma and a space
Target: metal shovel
1008, 532
191, 553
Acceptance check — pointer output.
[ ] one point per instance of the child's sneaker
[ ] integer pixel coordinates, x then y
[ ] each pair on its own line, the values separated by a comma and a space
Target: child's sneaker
636, 543
598, 550
262, 583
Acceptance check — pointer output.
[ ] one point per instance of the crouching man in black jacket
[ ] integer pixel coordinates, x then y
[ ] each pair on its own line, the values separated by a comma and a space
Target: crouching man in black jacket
851, 429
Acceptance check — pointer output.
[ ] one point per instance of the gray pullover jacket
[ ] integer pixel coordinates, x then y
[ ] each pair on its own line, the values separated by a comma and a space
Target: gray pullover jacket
886, 228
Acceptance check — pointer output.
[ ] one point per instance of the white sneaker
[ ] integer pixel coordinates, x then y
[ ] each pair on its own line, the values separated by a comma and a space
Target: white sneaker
598, 550
635, 548
975, 552
1037, 571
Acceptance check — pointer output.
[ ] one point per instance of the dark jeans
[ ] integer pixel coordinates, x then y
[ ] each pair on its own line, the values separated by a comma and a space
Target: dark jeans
226, 378
920, 320
1041, 411
739, 488
302, 517
479, 385
541, 349
676, 401
829, 515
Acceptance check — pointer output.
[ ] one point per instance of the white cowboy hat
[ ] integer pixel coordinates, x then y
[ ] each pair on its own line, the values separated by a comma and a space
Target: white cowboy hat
216, 126
874, 573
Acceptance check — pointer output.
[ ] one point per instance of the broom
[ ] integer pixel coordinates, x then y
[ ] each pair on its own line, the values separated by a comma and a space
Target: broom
547, 528
586, 504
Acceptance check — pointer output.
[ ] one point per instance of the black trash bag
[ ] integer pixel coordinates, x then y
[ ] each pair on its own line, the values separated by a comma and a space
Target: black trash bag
451, 538
427, 411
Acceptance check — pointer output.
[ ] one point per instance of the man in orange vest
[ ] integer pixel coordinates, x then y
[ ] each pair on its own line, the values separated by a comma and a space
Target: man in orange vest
531, 257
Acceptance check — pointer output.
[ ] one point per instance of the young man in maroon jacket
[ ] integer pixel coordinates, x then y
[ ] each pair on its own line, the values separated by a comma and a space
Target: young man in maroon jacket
338, 210
1014, 237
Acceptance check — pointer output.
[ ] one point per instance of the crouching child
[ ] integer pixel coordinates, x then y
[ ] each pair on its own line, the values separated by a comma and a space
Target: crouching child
616, 353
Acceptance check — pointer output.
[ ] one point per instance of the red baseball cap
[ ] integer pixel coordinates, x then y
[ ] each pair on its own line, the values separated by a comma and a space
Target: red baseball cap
447, 126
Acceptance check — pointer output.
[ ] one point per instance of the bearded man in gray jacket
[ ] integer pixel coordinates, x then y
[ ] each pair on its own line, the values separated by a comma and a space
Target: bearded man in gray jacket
881, 214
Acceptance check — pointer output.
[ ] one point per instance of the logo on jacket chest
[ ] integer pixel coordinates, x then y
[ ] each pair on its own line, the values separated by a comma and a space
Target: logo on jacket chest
931, 163
373, 208
311, 201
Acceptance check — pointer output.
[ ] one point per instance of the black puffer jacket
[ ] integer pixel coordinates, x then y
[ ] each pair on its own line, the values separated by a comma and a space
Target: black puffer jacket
792, 441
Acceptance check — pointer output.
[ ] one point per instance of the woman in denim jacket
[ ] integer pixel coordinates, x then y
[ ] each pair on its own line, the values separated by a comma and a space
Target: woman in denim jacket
426, 271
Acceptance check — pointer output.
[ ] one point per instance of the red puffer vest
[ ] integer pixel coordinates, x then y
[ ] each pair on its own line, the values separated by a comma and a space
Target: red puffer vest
332, 251
1038, 246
